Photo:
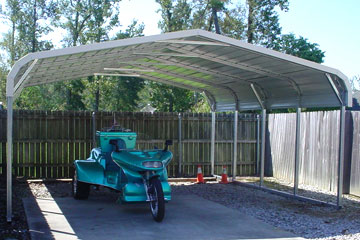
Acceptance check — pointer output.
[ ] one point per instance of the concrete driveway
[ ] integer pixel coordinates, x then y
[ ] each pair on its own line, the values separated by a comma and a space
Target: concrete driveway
187, 217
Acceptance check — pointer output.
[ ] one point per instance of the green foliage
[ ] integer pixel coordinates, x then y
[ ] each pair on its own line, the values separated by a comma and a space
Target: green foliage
201, 104
3, 74
299, 47
175, 15
170, 99
133, 30
121, 93
263, 21
32, 25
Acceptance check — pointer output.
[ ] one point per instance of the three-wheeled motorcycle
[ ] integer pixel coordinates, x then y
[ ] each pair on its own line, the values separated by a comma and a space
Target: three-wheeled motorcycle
139, 175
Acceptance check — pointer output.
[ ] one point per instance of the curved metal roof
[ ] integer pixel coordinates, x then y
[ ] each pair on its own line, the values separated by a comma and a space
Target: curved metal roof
233, 74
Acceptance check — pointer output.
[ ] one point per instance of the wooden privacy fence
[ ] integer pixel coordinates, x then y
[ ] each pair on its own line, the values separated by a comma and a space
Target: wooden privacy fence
46, 143
319, 149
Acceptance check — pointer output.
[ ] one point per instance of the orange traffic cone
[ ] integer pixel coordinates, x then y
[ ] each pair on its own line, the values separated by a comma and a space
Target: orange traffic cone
200, 177
224, 177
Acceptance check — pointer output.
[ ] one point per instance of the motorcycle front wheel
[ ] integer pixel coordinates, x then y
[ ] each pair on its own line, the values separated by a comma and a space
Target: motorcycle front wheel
157, 202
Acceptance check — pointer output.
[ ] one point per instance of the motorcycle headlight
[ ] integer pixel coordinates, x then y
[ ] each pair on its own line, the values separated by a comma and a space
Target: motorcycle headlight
152, 164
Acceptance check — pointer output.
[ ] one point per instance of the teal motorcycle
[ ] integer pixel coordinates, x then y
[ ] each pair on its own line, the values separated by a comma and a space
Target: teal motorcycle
139, 175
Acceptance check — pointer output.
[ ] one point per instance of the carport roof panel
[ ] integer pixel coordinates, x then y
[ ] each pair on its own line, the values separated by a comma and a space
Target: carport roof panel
222, 67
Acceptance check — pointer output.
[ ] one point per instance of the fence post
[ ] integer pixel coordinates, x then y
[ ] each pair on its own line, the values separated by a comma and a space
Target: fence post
235, 145
262, 161
180, 146
341, 158
94, 129
9, 101
297, 153
212, 153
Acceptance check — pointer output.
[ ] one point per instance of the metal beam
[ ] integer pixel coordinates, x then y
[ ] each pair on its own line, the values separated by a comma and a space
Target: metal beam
116, 75
340, 174
146, 63
257, 96
20, 84
128, 69
189, 42
9, 101
262, 160
334, 88
286, 194
235, 145
212, 154
166, 54
297, 150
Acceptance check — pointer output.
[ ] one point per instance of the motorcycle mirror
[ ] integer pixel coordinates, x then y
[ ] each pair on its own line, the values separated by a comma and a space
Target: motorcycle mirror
167, 143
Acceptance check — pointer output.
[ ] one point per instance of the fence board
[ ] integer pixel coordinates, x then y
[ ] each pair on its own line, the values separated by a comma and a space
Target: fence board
355, 159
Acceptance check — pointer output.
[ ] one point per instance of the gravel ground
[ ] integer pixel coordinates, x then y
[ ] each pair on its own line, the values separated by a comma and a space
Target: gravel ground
303, 219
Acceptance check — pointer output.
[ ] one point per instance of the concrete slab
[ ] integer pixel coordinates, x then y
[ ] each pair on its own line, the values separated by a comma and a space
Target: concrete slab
186, 217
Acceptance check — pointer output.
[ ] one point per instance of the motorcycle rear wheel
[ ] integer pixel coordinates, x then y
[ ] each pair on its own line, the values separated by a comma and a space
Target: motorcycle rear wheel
157, 202
80, 190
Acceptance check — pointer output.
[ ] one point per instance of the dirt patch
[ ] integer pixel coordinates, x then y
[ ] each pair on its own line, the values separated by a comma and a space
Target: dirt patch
18, 228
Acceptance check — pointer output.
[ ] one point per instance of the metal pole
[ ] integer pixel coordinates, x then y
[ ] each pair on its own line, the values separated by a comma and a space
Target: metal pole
213, 120
297, 152
341, 157
180, 147
94, 129
262, 160
9, 101
257, 144
235, 145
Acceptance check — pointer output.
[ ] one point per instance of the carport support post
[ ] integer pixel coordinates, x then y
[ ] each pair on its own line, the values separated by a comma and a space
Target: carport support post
180, 147
341, 157
262, 160
212, 157
297, 153
94, 129
235, 145
257, 144
9, 101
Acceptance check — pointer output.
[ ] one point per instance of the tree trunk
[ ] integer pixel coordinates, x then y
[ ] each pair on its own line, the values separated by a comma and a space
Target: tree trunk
97, 95
33, 42
12, 51
250, 30
216, 21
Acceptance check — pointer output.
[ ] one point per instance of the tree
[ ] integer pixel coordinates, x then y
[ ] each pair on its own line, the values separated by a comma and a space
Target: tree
263, 21
299, 47
170, 99
32, 25
3, 74
73, 17
13, 16
118, 93
104, 17
175, 15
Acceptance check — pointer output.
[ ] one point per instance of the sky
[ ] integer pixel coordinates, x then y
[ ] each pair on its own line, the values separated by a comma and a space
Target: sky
333, 24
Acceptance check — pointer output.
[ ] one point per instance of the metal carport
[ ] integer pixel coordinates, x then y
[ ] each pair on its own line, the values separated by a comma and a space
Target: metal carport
234, 75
